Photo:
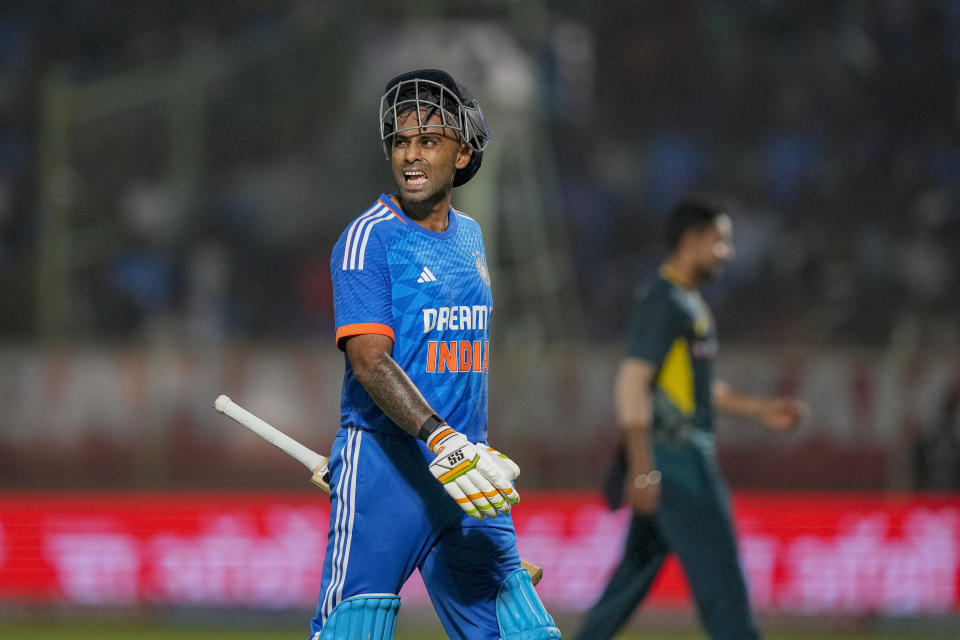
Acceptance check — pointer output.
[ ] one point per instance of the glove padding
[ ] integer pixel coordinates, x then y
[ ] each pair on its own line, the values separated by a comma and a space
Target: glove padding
507, 466
477, 477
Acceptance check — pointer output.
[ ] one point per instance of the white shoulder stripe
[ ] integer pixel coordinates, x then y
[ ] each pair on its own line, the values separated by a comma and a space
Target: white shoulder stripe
366, 236
359, 232
372, 211
355, 230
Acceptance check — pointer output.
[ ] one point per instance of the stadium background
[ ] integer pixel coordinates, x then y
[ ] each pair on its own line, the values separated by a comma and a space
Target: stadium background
173, 176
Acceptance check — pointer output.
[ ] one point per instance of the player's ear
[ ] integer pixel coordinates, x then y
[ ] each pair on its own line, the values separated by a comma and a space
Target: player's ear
463, 156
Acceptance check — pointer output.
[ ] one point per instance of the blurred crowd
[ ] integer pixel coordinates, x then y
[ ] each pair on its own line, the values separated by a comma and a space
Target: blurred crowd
831, 128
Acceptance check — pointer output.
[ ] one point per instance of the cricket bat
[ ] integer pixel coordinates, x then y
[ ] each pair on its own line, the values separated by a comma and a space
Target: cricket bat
316, 463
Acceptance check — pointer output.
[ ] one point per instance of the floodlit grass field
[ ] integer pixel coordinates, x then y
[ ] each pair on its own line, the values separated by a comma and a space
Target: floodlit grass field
37, 631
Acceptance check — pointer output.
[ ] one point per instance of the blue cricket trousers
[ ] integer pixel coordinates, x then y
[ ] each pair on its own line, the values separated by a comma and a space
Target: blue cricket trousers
390, 516
694, 521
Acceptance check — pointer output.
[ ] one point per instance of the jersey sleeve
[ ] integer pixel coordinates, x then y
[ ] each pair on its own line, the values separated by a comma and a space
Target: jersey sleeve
655, 322
362, 301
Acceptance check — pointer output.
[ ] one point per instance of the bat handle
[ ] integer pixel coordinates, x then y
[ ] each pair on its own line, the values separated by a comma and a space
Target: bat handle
321, 477
535, 572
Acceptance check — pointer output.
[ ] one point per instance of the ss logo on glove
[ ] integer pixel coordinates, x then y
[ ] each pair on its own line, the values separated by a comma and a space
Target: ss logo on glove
455, 457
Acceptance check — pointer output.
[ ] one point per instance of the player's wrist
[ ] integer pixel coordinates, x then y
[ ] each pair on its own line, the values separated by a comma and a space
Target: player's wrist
648, 479
433, 430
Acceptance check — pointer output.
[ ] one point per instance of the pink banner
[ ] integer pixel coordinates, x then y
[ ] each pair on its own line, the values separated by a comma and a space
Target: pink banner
803, 553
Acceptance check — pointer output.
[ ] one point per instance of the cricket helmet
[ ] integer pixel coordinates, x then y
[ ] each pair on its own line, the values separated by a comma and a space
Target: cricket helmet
429, 92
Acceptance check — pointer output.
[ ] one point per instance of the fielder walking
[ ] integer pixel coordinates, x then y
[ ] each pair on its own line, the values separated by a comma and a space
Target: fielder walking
665, 397
414, 484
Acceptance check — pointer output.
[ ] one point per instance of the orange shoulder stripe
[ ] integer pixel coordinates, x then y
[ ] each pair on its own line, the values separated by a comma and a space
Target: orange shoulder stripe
388, 205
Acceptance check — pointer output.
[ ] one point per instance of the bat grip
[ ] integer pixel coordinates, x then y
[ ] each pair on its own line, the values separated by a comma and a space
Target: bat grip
321, 477
536, 573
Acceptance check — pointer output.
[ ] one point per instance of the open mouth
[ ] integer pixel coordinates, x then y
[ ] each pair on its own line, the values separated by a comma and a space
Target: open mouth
415, 178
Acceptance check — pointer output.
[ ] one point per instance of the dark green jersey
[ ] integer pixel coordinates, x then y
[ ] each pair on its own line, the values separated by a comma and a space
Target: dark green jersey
672, 328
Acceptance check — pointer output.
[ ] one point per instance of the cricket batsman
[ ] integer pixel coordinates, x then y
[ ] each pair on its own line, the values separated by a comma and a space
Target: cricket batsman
414, 485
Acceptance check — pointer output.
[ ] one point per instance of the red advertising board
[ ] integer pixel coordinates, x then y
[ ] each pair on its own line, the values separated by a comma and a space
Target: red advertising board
803, 553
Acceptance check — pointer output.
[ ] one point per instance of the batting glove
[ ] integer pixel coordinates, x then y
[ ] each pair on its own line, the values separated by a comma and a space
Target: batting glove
506, 466
475, 476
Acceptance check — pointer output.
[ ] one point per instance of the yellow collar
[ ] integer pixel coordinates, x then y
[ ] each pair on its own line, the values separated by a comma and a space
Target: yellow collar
670, 274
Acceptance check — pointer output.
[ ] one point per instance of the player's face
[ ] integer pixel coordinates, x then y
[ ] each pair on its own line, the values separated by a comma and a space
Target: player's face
425, 160
714, 247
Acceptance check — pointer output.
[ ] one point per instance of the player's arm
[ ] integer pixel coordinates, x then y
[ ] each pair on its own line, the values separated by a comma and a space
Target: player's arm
477, 477
633, 401
387, 383
777, 413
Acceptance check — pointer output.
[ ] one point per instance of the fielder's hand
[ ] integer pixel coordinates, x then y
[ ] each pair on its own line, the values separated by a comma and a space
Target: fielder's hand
782, 414
643, 493
477, 477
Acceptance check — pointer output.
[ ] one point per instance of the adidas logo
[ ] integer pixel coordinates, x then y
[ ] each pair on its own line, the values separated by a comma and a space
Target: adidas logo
426, 276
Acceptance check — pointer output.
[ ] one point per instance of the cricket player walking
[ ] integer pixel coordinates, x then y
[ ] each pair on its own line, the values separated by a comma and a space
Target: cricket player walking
414, 486
666, 395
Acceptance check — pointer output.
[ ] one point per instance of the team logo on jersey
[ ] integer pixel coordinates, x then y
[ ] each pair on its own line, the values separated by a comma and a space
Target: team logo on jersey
482, 268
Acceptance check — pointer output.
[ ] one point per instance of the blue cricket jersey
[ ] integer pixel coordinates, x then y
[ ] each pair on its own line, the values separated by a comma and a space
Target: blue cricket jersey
430, 293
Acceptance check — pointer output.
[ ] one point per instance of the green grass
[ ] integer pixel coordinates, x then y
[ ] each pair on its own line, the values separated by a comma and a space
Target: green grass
119, 631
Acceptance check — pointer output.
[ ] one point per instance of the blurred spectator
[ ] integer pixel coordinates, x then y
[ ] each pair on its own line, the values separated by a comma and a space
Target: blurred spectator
937, 453
835, 125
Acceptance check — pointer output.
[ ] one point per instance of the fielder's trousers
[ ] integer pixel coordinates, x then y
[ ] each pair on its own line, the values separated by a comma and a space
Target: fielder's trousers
693, 521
